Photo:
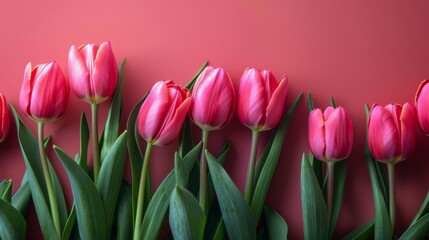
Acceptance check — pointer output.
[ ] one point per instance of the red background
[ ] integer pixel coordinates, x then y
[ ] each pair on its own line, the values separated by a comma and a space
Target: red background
358, 51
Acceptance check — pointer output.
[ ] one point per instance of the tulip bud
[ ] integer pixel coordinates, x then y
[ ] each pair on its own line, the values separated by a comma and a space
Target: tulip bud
213, 99
4, 118
391, 132
44, 92
261, 99
422, 106
93, 72
330, 134
163, 112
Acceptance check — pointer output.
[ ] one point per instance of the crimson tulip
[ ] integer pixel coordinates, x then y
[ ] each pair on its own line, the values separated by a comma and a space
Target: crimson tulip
93, 72
422, 106
44, 92
261, 99
391, 132
4, 118
163, 112
330, 134
213, 99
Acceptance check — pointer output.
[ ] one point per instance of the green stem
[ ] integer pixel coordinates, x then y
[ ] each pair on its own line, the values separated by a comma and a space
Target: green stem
140, 198
95, 147
203, 173
248, 194
48, 180
392, 194
330, 187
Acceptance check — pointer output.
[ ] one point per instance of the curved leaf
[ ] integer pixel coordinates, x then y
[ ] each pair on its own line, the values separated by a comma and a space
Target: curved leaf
180, 171
187, 219
276, 225
361, 233
158, 206
239, 222
84, 140
424, 209
21, 199
12, 224
418, 230
267, 172
110, 179
337, 198
88, 204
124, 221
6, 190
314, 212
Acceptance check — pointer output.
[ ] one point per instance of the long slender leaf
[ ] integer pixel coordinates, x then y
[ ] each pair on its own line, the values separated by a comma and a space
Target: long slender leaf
187, 219
317, 166
239, 222
339, 182
12, 224
264, 181
110, 180
113, 122
314, 212
418, 230
84, 140
89, 206
22, 197
424, 209
158, 206
6, 190
180, 171
30, 153
185, 140
124, 221
361, 233
59, 194
70, 224
276, 225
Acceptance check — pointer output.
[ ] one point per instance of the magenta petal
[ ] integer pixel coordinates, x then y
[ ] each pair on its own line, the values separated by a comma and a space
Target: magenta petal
316, 134
422, 105
25, 93
408, 136
79, 75
276, 104
338, 134
105, 73
251, 100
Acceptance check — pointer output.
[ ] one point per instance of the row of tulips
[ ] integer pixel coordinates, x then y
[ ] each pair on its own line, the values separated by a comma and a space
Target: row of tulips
107, 206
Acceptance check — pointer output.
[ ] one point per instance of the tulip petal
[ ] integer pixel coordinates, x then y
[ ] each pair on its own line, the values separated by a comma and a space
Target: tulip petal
422, 105
338, 134
408, 136
276, 104
316, 133
251, 99
79, 75
105, 73
4, 118
25, 93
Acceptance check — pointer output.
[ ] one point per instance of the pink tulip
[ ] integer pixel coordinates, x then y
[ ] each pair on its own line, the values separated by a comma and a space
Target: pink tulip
93, 72
330, 134
391, 132
422, 106
4, 118
44, 92
261, 99
213, 99
162, 113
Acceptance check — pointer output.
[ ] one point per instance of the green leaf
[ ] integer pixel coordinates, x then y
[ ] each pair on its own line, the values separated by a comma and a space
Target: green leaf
89, 207
314, 212
185, 140
12, 224
214, 228
310, 102
180, 171
333, 104
30, 153
190, 84
267, 172
418, 230
158, 206
187, 219
6, 190
338, 192
361, 233
382, 222
317, 166
59, 194
424, 209
21, 199
221, 160
275, 223
84, 140
70, 223
110, 179
239, 222
111, 128
124, 221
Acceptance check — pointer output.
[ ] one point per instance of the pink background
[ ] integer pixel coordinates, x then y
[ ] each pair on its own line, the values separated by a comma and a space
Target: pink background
358, 51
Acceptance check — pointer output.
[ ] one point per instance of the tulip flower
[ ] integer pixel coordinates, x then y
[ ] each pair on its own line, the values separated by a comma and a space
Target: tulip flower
261, 99
422, 106
391, 132
44, 92
158, 122
4, 118
93, 74
330, 134
261, 102
212, 107
43, 97
391, 139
